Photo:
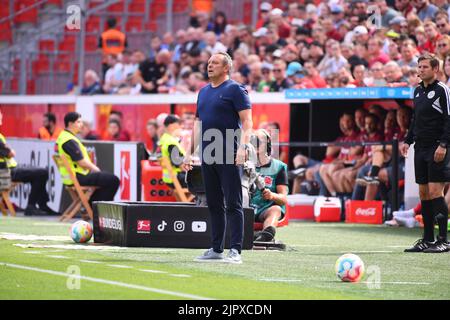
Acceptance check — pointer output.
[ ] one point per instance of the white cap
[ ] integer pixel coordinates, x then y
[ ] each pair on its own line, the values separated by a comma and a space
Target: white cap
310, 8
260, 32
360, 30
277, 53
276, 12
265, 6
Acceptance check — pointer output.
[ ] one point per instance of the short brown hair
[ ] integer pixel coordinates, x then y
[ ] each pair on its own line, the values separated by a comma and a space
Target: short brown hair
434, 62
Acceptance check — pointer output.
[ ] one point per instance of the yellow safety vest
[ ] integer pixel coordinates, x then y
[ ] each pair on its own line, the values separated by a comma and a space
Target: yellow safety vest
165, 142
10, 162
63, 138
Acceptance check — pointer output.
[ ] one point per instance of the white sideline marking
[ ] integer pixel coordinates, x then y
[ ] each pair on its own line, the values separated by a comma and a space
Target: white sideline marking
375, 251
281, 280
32, 237
120, 266
113, 283
400, 282
32, 252
90, 261
152, 271
56, 257
180, 275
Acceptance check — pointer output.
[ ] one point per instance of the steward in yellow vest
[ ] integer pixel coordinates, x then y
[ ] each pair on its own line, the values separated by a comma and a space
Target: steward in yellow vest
87, 173
37, 177
171, 149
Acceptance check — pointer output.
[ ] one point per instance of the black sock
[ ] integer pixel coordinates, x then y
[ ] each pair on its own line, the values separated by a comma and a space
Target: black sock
428, 220
374, 171
440, 210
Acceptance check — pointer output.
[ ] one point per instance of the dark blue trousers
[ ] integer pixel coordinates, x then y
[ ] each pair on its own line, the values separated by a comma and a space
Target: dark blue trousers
224, 197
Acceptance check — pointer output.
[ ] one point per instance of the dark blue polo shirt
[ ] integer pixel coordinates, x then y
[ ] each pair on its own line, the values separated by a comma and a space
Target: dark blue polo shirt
218, 108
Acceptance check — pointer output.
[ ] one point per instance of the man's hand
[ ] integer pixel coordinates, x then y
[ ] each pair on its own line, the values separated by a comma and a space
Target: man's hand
267, 195
241, 155
404, 149
439, 154
187, 163
12, 153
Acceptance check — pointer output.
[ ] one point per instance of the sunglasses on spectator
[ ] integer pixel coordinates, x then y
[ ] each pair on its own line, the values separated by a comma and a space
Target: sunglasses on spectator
441, 45
441, 25
277, 70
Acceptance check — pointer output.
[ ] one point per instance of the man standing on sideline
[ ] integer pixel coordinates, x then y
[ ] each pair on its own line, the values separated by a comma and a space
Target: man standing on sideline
430, 130
88, 174
223, 105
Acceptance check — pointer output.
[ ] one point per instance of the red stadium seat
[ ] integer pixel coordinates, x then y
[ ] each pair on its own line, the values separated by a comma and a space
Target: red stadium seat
180, 6
117, 7
68, 44
134, 24
91, 43
5, 32
58, 3
157, 8
31, 86
46, 45
93, 24
62, 64
151, 26
14, 85
41, 66
5, 12
137, 6
28, 16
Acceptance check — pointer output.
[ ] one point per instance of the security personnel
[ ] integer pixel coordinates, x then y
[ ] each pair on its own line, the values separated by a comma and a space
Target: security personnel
430, 131
111, 41
171, 149
37, 177
49, 130
270, 203
88, 174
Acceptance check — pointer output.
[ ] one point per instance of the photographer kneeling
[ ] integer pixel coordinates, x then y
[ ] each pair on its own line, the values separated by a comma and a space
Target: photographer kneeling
270, 202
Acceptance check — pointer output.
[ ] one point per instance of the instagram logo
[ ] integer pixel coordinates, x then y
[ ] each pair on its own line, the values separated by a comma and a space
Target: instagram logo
178, 226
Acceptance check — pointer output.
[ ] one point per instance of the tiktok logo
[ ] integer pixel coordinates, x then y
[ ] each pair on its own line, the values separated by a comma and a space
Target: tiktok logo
162, 226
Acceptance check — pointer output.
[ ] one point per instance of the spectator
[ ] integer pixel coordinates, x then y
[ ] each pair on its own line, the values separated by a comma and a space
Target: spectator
246, 43
151, 70
86, 133
360, 115
255, 75
358, 73
404, 7
280, 82
111, 42
114, 77
425, 10
265, 9
196, 82
212, 45
375, 54
282, 26
240, 63
296, 14
219, 23
91, 83
409, 57
447, 70
114, 131
168, 42
421, 38
155, 46
49, 129
443, 47
387, 13
333, 59
393, 50
312, 78
393, 74
412, 76
151, 143
124, 135
267, 77
360, 35
131, 86
191, 41
443, 25
337, 12
395, 24
432, 35
315, 52
180, 44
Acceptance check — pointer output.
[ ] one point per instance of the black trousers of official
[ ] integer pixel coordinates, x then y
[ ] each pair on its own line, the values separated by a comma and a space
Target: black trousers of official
107, 184
223, 182
37, 177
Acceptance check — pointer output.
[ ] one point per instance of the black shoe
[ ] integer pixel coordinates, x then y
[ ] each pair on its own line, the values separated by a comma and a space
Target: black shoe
299, 172
439, 246
32, 211
49, 211
419, 246
267, 235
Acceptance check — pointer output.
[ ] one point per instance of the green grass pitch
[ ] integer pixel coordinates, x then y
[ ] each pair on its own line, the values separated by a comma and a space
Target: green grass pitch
305, 271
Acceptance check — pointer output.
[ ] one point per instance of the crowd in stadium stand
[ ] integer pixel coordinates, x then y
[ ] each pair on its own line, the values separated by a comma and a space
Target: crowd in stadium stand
306, 45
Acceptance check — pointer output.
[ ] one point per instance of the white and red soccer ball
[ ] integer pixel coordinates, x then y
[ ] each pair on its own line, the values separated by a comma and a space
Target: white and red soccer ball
81, 231
349, 268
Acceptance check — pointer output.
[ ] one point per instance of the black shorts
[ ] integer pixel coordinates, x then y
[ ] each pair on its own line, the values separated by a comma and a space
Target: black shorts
426, 169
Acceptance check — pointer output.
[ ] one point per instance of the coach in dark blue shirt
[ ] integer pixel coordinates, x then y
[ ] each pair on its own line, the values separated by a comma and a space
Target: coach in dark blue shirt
223, 107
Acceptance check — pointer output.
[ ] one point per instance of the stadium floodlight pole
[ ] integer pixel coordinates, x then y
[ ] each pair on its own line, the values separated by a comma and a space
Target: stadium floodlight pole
81, 46
255, 10
169, 16
394, 176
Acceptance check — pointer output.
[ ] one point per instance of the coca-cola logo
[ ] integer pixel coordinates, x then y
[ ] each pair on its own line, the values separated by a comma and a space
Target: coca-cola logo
365, 211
